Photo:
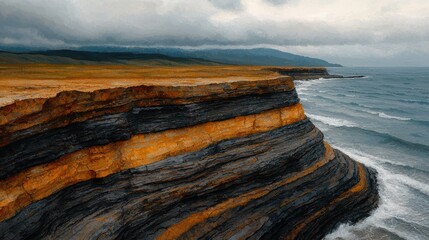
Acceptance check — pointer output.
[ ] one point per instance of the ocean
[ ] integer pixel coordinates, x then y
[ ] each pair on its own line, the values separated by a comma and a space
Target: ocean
381, 120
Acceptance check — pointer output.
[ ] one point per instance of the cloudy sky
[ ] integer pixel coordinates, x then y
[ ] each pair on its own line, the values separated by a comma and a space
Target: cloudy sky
350, 32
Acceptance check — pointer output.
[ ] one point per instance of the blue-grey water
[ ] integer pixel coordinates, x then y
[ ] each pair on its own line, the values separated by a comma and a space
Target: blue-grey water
381, 120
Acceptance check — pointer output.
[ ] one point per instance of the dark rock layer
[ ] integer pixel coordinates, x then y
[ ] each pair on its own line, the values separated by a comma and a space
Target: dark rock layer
141, 203
29, 117
235, 160
57, 142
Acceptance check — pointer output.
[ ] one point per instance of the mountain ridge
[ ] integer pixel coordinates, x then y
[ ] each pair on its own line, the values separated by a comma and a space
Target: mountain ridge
236, 56
254, 56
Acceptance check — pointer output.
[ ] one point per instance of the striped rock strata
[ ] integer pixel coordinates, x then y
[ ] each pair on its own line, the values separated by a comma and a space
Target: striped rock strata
225, 160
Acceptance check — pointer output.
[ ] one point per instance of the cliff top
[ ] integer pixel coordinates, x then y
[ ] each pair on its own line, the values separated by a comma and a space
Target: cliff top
28, 81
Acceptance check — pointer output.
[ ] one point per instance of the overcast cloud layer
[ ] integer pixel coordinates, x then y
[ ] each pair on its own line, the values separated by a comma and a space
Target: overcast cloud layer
364, 32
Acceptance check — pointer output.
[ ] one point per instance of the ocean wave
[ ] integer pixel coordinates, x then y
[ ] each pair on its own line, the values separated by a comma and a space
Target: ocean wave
361, 107
396, 154
325, 79
383, 115
385, 138
405, 167
367, 108
413, 101
388, 138
387, 116
314, 81
388, 176
334, 122
395, 195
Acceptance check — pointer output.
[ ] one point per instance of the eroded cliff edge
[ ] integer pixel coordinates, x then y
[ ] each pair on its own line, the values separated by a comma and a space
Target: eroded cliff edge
232, 159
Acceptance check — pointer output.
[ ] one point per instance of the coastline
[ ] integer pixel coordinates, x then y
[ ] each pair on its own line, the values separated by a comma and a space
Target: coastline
150, 147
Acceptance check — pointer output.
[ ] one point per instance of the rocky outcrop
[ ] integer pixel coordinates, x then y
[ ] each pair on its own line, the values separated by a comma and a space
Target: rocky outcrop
305, 73
229, 159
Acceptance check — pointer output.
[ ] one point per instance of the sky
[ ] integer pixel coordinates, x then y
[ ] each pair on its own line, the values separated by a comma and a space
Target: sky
349, 32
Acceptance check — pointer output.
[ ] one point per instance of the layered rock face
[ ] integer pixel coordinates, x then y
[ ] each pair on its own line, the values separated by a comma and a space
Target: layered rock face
306, 73
220, 160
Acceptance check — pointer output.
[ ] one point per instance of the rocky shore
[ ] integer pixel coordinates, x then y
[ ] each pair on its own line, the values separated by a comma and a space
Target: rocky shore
309, 73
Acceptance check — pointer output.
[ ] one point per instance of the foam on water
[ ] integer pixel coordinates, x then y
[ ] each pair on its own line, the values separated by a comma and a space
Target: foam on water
383, 115
387, 116
394, 197
384, 125
335, 122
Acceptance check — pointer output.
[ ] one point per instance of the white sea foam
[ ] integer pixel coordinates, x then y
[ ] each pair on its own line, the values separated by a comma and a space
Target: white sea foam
335, 122
384, 115
363, 105
394, 201
374, 162
327, 79
401, 211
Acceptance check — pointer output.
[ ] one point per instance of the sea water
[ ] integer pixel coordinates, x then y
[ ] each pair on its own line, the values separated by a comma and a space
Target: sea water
381, 120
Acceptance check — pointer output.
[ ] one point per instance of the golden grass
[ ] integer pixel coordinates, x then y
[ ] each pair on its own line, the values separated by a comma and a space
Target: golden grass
23, 81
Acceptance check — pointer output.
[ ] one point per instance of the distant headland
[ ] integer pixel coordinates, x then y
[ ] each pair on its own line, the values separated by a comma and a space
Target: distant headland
174, 56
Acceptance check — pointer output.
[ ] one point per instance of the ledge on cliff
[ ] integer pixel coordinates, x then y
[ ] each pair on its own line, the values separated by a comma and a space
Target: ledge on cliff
168, 153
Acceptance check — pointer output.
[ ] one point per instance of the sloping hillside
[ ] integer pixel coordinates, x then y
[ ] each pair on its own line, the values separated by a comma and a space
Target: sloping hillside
255, 56
164, 56
98, 58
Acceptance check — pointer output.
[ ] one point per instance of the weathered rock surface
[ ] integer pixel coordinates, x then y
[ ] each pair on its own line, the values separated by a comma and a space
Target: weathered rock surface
218, 160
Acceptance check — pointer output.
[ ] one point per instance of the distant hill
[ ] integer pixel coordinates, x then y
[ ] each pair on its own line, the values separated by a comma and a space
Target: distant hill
98, 58
165, 56
255, 56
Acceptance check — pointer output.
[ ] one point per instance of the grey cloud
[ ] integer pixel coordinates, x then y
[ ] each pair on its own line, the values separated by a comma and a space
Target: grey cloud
278, 2
59, 24
227, 4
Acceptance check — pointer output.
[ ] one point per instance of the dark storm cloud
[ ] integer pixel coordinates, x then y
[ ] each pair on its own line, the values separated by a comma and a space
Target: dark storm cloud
227, 4
278, 2
376, 28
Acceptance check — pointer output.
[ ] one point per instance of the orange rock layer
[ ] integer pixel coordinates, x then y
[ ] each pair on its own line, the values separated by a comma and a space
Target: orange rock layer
28, 113
100, 161
124, 153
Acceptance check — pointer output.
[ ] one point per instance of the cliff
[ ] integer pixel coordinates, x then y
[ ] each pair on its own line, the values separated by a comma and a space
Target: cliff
179, 153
